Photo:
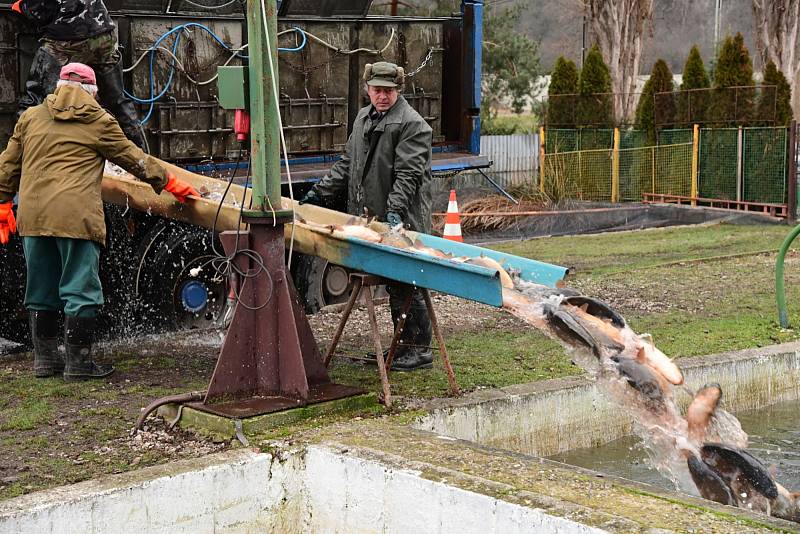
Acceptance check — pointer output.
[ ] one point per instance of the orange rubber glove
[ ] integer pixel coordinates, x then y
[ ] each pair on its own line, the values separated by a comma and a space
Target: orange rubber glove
179, 189
8, 224
17, 6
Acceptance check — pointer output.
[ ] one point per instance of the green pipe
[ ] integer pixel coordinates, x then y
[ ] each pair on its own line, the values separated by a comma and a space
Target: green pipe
780, 290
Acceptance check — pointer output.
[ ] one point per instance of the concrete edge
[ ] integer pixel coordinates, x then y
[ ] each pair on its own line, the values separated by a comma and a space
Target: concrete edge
566, 383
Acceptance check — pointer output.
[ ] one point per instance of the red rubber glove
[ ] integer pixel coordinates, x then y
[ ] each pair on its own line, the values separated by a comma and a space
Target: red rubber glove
8, 224
179, 189
17, 6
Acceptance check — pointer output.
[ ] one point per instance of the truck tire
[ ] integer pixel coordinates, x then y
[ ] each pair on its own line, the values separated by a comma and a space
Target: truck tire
175, 282
13, 316
319, 282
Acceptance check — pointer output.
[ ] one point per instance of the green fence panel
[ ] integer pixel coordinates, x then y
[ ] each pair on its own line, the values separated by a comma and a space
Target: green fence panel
560, 140
595, 139
763, 165
718, 163
632, 139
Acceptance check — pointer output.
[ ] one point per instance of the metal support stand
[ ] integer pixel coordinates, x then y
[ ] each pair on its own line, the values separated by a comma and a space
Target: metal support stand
270, 360
366, 281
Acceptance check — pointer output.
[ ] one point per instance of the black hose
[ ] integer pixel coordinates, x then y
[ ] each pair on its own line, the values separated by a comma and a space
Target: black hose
169, 399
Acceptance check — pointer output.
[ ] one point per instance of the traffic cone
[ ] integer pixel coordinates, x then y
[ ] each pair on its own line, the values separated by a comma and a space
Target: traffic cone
452, 220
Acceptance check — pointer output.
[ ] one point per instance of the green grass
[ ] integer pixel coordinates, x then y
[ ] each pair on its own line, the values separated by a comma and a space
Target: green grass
631, 251
27, 415
495, 358
698, 290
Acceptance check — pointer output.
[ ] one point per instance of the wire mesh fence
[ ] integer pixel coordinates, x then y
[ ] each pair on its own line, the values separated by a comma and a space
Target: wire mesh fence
764, 169
723, 106
739, 164
589, 174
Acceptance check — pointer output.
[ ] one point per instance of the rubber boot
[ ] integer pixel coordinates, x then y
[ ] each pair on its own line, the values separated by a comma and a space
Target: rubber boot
44, 333
42, 80
112, 96
417, 336
78, 334
412, 349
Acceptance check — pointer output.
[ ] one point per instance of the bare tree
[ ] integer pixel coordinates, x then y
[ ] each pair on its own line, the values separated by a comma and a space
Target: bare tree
777, 25
617, 27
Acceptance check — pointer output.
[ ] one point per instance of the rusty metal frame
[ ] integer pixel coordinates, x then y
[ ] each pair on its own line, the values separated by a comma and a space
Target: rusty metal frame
270, 360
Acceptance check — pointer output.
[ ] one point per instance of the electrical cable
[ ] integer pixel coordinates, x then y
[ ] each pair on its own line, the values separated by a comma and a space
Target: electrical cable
226, 264
275, 92
220, 6
348, 52
177, 32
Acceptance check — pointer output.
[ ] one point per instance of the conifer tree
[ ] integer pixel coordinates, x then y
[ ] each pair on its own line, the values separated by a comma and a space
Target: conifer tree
650, 109
693, 105
734, 68
561, 94
775, 105
594, 87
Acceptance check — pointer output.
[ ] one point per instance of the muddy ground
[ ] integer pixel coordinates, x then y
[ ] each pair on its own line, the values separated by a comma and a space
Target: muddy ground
53, 433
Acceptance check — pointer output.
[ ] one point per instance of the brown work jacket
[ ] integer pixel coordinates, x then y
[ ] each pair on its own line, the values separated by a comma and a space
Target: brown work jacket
55, 159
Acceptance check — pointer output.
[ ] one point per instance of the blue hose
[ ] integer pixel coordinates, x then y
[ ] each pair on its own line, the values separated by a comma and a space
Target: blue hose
153, 97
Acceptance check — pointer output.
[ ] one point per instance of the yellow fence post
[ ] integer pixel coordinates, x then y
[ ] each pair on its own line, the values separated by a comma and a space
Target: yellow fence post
695, 160
653, 168
541, 159
615, 168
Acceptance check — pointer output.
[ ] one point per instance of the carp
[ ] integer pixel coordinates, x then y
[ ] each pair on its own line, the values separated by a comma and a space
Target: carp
490, 263
701, 409
709, 483
649, 354
652, 387
741, 471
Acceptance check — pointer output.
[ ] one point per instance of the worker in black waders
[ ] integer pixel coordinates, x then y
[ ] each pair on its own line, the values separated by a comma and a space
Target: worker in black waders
77, 31
386, 172
54, 161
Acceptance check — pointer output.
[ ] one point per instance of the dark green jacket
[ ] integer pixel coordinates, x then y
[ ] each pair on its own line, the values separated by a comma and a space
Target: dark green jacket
399, 175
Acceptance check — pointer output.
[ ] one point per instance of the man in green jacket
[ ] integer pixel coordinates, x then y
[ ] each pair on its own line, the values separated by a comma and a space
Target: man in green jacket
55, 161
386, 171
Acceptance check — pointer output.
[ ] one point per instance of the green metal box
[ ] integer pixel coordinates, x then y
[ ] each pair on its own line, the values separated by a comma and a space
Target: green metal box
232, 87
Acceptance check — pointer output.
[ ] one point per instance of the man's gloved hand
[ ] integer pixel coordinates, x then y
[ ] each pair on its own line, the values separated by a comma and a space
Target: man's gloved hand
17, 6
394, 219
8, 224
180, 189
312, 197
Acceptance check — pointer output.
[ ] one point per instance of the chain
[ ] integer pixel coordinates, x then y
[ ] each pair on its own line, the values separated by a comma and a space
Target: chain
423, 64
305, 71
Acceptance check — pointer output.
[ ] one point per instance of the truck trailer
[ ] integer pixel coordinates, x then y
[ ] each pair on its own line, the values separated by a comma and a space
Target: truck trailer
171, 50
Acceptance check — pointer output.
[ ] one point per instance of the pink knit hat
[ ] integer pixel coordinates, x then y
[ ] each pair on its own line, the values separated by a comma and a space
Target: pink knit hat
78, 72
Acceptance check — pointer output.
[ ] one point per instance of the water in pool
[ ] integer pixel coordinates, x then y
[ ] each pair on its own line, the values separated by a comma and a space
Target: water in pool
774, 438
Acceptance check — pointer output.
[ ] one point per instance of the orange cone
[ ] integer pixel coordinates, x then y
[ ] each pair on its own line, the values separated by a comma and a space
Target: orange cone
452, 220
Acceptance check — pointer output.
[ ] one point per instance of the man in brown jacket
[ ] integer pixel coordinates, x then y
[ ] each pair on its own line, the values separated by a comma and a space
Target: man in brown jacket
55, 161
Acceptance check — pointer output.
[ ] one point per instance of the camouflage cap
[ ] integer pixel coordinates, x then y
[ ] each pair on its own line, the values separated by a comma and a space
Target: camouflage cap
383, 74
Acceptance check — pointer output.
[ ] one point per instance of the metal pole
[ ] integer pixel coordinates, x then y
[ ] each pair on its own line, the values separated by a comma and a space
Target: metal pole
717, 21
780, 289
541, 158
739, 159
499, 189
264, 134
583, 39
791, 173
615, 167
695, 162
